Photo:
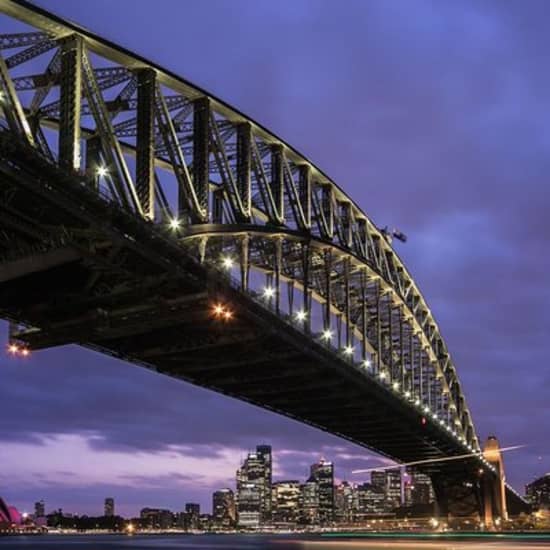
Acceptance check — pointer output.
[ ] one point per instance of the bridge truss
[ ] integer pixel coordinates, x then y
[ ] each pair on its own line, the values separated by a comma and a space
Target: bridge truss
235, 196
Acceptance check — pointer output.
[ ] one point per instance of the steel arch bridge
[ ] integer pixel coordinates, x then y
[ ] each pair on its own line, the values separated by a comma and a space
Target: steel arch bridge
144, 217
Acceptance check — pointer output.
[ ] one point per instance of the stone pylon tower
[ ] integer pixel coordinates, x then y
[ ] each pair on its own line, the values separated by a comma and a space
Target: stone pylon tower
495, 491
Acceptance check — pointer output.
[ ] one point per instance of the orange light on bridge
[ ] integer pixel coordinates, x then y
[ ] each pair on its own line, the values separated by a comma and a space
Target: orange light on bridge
222, 312
14, 349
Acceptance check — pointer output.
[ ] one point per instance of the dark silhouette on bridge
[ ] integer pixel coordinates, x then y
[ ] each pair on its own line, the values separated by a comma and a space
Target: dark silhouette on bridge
145, 218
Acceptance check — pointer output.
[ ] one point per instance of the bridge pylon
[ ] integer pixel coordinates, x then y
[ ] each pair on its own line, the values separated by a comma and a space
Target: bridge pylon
495, 488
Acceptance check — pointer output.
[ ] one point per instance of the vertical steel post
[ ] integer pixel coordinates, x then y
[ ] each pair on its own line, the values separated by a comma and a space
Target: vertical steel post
328, 288
306, 301
378, 329
244, 262
327, 207
277, 269
93, 158
347, 305
145, 141
364, 315
244, 164
201, 151
70, 95
277, 179
304, 189
390, 336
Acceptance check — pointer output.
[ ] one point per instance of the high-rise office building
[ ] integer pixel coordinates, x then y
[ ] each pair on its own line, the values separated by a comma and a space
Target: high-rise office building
223, 508
109, 507
254, 488
323, 474
345, 502
192, 515
421, 489
309, 502
286, 502
538, 492
371, 500
39, 509
390, 482
264, 451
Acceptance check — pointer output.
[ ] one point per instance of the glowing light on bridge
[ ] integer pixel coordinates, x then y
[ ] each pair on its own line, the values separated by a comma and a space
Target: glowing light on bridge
102, 171
175, 223
269, 292
301, 315
222, 312
227, 262
348, 350
15, 350
327, 334
382, 375
395, 386
367, 363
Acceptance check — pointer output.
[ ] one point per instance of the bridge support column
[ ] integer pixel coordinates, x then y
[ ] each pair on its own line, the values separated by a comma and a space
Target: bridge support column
70, 96
277, 180
495, 496
201, 150
145, 141
244, 163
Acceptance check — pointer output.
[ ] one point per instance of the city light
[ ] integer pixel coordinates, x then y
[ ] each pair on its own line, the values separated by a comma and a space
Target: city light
348, 350
367, 363
269, 292
301, 315
407, 394
417, 402
227, 262
327, 334
14, 349
102, 171
395, 386
174, 223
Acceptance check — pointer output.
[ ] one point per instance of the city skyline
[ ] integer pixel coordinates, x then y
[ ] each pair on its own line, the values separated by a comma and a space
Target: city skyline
81, 425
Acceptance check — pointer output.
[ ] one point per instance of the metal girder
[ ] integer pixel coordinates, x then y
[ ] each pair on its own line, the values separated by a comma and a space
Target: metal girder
22, 39
145, 142
70, 101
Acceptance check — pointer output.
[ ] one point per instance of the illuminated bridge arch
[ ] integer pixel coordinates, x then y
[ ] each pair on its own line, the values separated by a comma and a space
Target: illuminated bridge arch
229, 189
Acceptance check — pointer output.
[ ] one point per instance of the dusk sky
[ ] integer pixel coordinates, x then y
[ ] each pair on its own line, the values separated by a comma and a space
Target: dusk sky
435, 117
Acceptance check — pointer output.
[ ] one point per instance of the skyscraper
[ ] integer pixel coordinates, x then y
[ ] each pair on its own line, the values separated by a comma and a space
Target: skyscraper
109, 507
192, 515
309, 502
390, 482
39, 509
322, 473
264, 451
286, 502
254, 488
345, 497
223, 508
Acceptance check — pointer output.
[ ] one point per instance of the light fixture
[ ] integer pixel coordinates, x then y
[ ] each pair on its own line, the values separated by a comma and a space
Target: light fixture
348, 350
301, 315
382, 375
13, 349
102, 171
227, 262
175, 223
269, 292
327, 334
407, 394
367, 363
395, 386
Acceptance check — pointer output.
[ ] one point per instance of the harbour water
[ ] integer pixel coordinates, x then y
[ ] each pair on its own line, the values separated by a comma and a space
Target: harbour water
261, 542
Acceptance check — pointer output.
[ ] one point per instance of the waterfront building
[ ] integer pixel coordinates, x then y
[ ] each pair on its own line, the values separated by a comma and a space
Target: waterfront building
39, 509
109, 507
309, 502
254, 488
538, 492
389, 481
345, 502
371, 500
322, 473
156, 518
192, 515
286, 502
223, 508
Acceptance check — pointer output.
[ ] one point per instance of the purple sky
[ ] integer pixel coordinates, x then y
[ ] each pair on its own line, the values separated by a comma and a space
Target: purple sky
434, 116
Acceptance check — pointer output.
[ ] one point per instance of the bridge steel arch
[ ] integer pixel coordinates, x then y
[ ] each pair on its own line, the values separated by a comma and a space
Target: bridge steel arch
234, 195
